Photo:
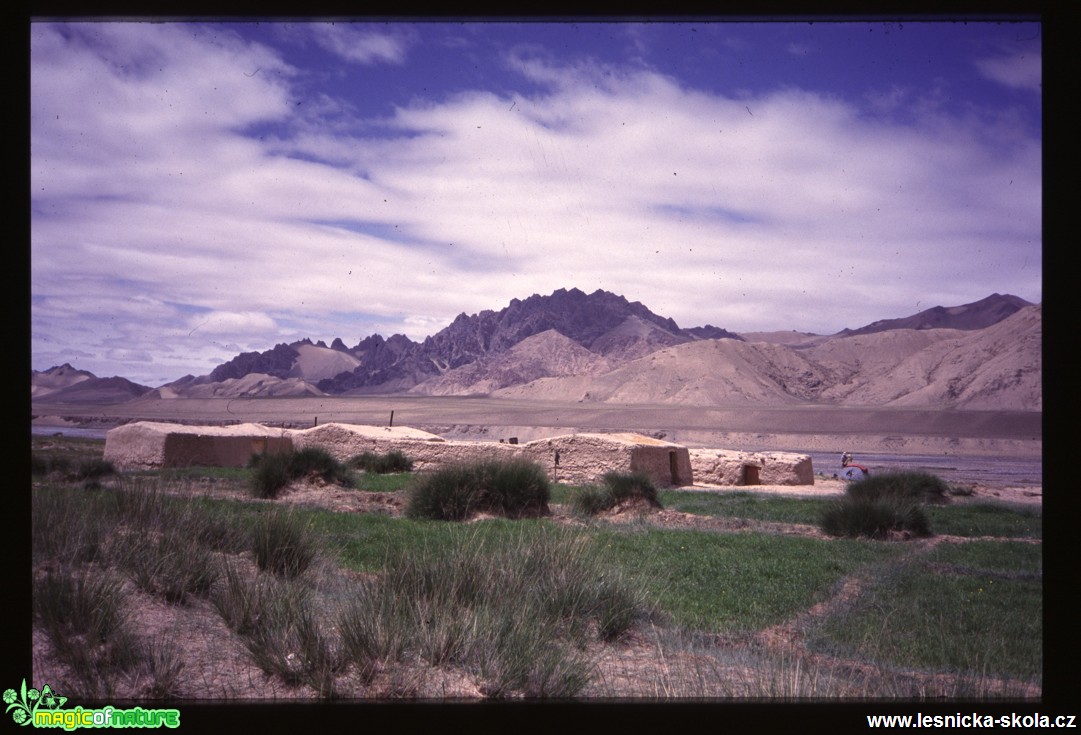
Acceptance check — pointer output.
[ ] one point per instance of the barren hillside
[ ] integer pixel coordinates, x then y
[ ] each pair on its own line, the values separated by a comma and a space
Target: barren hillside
994, 368
548, 354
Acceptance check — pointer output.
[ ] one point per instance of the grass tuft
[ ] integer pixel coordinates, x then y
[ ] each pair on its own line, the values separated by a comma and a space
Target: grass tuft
83, 617
886, 506
382, 464
619, 487
282, 544
513, 489
518, 613
877, 518
272, 472
920, 487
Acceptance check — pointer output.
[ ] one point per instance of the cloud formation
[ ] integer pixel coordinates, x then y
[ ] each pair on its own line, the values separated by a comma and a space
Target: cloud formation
191, 193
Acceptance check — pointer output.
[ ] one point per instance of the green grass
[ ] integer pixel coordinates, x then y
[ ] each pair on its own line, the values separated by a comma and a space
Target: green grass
199, 472
752, 506
376, 483
735, 582
987, 519
955, 519
975, 609
69, 448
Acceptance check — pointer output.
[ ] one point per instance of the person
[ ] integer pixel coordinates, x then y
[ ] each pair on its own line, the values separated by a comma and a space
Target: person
852, 471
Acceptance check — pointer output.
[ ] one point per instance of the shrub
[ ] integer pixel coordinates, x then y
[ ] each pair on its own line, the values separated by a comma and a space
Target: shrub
282, 545
514, 489
382, 464
919, 487
272, 472
875, 518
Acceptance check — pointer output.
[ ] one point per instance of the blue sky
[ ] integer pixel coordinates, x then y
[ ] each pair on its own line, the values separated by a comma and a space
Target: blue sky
204, 189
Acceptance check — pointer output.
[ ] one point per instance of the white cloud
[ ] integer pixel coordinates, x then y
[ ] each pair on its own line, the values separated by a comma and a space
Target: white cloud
246, 323
1019, 70
358, 44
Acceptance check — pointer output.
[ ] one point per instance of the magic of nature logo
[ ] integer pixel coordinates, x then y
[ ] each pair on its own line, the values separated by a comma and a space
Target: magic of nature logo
45, 708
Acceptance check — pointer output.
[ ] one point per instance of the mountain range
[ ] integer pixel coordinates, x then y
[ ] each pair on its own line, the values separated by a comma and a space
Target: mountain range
600, 347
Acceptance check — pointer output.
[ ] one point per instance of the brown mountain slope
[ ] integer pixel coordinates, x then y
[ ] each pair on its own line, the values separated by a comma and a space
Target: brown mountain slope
56, 378
542, 355
252, 385
634, 337
706, 372
994, 368
857, 361
999, 367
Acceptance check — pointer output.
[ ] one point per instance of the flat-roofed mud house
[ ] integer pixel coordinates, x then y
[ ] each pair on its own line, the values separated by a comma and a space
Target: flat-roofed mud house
152, 444
572, 458
428, 451
586, 458
728, 467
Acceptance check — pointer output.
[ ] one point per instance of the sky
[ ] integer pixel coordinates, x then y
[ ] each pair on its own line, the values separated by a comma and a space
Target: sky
202, 189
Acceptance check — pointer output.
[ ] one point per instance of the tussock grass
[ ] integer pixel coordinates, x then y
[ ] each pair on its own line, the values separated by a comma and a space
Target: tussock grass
272, 472
518, 613
84, 618
46, 464
170, 564
920, 487
382, 464
876, 518
283, 544
886, 506
164, 666
279, 626
63, 529
513, 489
619, 487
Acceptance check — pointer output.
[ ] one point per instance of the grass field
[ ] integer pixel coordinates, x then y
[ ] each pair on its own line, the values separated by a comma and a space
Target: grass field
317, 603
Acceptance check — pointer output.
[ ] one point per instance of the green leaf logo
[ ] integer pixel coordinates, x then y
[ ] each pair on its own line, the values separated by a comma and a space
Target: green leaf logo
26, 702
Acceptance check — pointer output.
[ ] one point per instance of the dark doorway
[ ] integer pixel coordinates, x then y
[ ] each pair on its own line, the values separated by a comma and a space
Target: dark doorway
750, 475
